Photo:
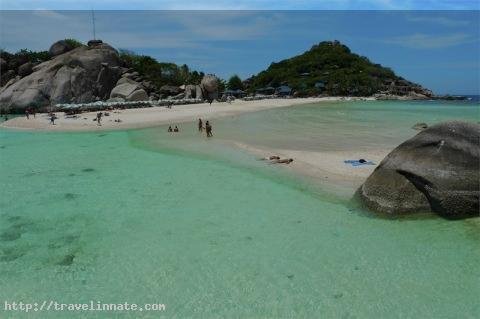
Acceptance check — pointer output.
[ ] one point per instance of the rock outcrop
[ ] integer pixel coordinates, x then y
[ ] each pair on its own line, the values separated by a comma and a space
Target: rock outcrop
59, 47
80, 75
169, 90
107, 77
437, 170
25, 69
209, 86
3, 65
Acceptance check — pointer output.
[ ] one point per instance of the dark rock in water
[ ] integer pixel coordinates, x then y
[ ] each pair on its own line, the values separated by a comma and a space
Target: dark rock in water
88, 170
70, 196
10, 254
420, 126
67, 260
11, 235
437, 170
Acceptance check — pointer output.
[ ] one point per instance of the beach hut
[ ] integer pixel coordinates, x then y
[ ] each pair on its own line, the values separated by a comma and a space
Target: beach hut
266, 90
320, 85
283, 90
236, 93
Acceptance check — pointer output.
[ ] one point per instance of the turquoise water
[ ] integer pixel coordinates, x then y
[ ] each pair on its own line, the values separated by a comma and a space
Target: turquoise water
113, 217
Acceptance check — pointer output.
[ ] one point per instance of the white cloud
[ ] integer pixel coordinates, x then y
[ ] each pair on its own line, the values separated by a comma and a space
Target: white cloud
425, 41
439, 20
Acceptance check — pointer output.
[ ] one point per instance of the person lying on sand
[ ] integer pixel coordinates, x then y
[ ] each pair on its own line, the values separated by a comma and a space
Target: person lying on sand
270, 158
283, 161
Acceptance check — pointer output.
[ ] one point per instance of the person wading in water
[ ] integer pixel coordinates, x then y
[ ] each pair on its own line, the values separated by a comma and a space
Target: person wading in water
200, 125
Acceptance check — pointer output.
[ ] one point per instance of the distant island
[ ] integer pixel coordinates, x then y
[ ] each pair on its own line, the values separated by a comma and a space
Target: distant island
330, 68
72, 72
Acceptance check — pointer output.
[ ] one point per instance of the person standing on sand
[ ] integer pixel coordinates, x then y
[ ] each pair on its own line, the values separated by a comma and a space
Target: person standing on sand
52, 119
27, 114
208, 128
99, 118
200, 125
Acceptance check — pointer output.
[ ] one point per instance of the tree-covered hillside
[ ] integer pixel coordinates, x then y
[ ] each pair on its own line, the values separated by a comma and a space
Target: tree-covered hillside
330, 68
160, 73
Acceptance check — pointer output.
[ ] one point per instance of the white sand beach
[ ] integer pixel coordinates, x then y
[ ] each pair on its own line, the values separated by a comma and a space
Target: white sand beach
326, 168
153, 116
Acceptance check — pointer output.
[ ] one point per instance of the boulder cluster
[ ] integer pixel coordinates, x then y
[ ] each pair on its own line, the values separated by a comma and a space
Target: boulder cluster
86, 74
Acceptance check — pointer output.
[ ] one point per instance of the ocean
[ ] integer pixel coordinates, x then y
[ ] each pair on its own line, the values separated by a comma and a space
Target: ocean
141, 216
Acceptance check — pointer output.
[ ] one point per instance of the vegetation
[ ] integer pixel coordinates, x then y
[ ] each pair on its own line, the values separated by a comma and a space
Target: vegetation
74, 43
14, 60
331, 66
235, 83
160, 73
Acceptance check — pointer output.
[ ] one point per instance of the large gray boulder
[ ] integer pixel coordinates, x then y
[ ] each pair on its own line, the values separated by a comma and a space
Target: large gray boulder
25, 69
138, 95
126, 80
70, 77
106, 80
123, 90
435, 171
170, 90
193, 92
60, 47
209, 85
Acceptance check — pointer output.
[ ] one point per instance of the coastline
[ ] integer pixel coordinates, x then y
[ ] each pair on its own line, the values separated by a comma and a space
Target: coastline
155, 116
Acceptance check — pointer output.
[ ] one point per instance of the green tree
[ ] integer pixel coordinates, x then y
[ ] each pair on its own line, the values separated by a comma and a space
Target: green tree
235, 83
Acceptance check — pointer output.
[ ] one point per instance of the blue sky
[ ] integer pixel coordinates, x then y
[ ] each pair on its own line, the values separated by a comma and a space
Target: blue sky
438, 49
241, 4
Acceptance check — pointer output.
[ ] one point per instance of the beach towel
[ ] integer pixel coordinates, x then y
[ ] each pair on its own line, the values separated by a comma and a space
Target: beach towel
358, 163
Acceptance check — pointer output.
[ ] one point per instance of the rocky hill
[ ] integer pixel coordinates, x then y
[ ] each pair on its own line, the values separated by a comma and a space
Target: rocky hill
74, 73
331, 68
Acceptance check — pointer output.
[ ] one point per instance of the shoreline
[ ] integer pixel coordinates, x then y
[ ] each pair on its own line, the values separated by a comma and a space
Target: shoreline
138, 118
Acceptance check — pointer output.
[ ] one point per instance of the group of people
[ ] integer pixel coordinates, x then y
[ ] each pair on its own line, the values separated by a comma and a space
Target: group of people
277, 160
175, 130
30, 111
207, 128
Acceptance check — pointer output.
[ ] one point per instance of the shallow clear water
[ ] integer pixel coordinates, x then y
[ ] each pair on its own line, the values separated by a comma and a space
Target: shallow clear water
113, 217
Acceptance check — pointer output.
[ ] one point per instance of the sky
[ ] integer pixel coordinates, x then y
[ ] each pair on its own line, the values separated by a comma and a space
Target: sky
438, 49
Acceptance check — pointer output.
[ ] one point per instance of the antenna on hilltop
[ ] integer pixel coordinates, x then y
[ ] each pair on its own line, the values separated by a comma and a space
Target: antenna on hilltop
93, 23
